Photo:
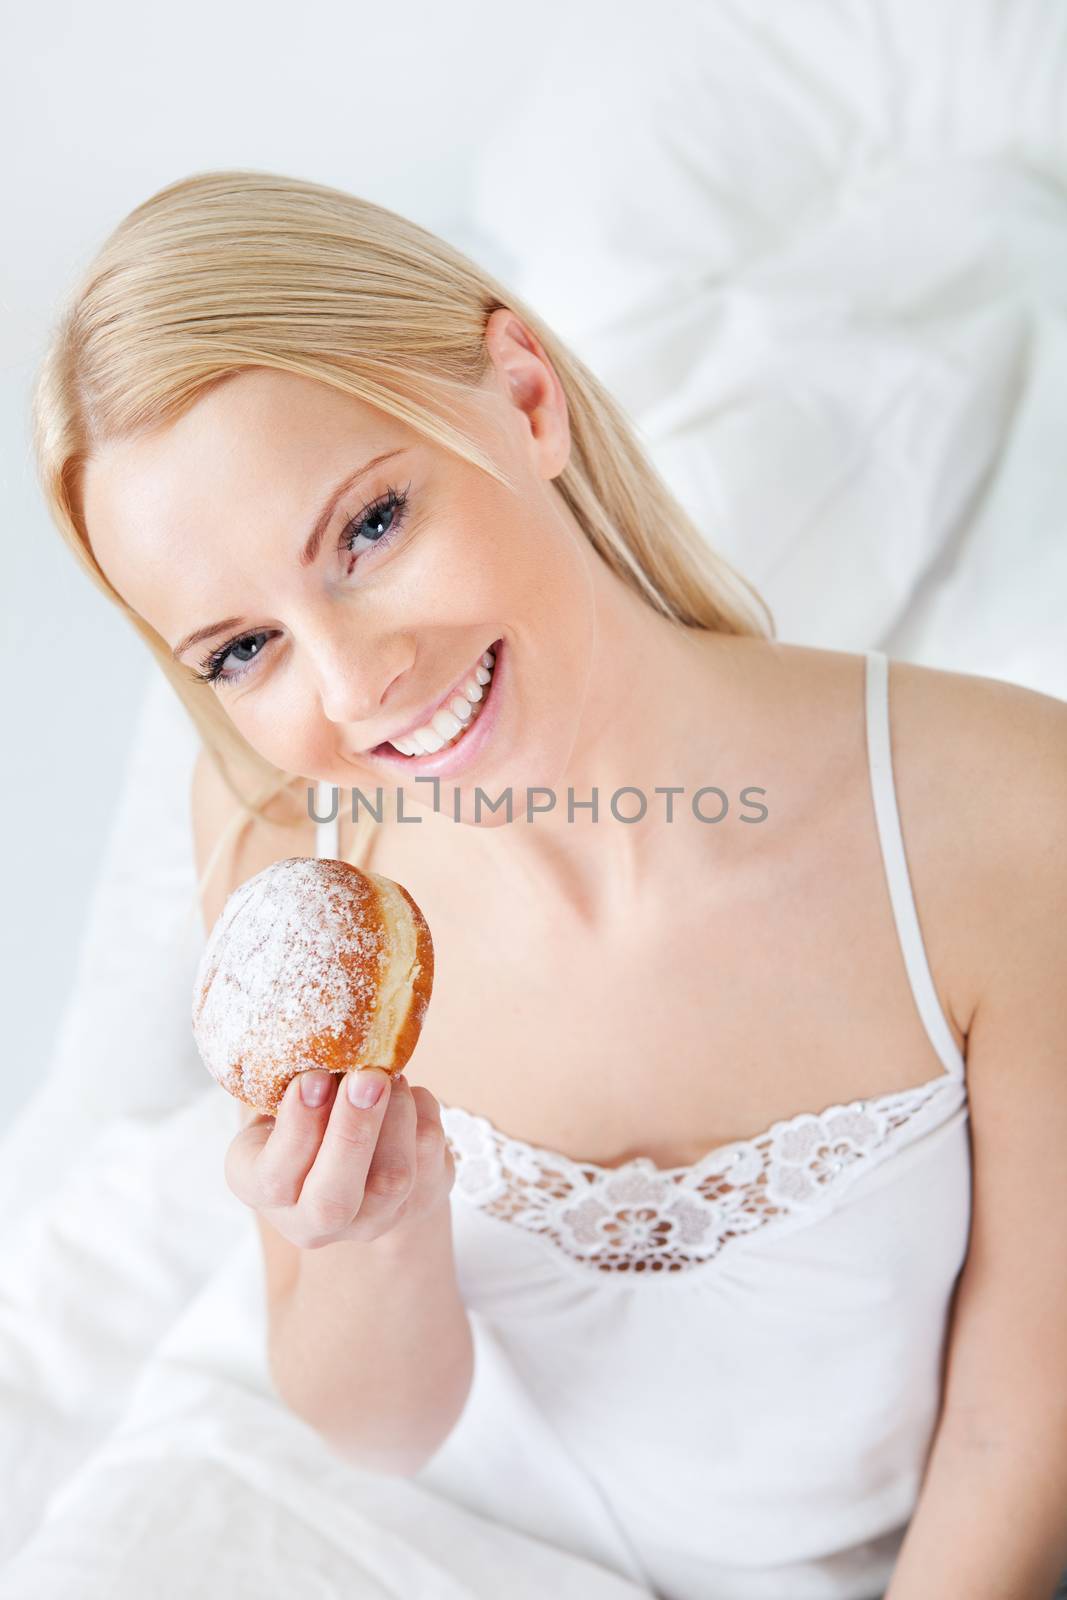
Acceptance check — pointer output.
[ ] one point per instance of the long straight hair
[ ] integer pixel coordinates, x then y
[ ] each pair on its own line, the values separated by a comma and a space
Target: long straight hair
226, 271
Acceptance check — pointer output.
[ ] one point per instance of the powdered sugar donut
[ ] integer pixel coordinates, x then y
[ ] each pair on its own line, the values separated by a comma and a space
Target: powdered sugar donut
312, 963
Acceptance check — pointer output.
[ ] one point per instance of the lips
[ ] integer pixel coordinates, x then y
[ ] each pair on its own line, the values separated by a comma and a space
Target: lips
386, 747
461, 752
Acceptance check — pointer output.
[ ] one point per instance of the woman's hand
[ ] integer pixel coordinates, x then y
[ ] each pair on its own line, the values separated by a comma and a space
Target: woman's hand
331, 1171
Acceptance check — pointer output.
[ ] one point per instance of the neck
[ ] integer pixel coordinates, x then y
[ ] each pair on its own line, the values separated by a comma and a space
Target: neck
664, 707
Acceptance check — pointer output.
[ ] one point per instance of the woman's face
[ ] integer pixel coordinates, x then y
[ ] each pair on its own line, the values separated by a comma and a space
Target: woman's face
329, 623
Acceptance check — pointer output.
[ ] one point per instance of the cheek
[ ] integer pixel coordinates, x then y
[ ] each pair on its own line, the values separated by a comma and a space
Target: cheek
521, 570
284, 732
462, 574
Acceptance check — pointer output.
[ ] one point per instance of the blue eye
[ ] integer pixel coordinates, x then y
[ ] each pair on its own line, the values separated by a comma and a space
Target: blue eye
243, 650
376, 525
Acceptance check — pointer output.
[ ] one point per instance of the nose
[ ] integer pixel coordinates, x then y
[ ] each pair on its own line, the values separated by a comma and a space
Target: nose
354, 675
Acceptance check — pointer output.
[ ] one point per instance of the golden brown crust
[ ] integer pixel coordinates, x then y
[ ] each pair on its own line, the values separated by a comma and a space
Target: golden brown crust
292, 977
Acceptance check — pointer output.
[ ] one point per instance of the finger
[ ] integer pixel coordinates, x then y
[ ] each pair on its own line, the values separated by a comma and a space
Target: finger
247, 1114
333, 1190
426, 1103
286, 1158
394, 1165
241, 1156
430, 1142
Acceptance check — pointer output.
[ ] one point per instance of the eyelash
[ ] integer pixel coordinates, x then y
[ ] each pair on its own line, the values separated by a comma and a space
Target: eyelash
395, 501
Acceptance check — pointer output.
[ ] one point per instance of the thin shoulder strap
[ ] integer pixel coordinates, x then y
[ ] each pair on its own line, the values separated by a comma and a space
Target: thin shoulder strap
887, 815
327, 834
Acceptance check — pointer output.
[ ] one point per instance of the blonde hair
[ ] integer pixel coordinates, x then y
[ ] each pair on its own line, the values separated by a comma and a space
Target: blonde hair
224, 271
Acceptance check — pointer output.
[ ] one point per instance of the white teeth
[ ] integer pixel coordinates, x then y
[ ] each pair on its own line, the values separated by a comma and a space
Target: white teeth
445, 724
451, 720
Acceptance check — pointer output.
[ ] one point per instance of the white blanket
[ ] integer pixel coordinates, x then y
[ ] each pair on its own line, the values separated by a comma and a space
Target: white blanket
140, 1403
819, 257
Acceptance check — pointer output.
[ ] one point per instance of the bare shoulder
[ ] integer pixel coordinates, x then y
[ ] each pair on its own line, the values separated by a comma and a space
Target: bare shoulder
996, 749
231, 845
997, 754
981, 772
969, 707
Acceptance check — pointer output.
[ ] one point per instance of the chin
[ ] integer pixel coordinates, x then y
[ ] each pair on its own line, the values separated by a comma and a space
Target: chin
526, 779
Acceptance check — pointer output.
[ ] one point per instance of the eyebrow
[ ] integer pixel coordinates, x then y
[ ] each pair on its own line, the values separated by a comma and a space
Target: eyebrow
307, 555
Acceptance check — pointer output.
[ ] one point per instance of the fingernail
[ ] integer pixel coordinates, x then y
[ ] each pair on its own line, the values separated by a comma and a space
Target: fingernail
365, 1086
314, 1087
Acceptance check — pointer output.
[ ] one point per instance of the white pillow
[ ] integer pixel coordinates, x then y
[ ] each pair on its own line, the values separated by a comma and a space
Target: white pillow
813, 251
125, 1045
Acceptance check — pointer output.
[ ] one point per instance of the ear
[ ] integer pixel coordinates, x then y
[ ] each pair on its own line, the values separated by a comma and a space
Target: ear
530, 384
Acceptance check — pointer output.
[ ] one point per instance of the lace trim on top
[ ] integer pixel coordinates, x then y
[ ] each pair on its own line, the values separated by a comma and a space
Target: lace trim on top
640, 1218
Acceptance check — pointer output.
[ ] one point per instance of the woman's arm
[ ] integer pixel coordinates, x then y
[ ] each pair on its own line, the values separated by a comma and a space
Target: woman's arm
368, 1342
372, 1345
991, 1521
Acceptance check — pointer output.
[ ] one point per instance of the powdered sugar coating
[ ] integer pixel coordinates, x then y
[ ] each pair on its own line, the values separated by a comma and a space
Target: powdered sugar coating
289, 977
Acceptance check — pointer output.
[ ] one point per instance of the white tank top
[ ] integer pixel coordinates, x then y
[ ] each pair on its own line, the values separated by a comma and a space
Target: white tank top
720, 1380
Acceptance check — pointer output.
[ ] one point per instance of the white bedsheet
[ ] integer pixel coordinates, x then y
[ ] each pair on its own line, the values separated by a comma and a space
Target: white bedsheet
820, 260
134, 1300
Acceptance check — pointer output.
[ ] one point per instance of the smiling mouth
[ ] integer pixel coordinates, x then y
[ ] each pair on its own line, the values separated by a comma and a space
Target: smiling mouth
450, 722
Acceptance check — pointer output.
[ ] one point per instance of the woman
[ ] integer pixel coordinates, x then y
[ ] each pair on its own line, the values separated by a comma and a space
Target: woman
672, 1255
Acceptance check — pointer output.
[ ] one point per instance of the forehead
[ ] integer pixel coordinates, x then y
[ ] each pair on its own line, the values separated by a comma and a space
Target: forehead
257, 428
249, 460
